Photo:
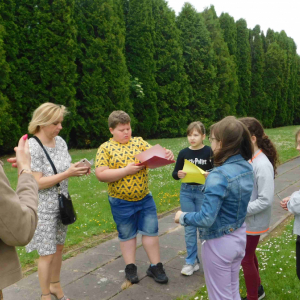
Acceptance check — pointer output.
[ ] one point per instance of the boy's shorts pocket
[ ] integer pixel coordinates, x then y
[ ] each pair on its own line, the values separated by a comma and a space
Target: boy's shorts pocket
114, 201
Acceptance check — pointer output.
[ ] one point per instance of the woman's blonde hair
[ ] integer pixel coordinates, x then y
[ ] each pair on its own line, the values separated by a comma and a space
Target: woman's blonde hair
46, 114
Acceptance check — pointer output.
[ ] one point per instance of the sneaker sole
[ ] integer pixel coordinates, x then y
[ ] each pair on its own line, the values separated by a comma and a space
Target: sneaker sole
149, 273
132, 281
262, 296
196, 268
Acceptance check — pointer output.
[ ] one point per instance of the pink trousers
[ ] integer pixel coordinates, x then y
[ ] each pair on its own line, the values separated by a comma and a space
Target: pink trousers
221, 259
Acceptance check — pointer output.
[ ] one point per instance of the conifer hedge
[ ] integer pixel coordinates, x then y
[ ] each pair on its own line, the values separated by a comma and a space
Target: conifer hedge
137, 55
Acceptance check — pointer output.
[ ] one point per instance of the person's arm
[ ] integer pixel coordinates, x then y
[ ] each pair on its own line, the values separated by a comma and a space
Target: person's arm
49, 181
293, 204
37, 162
264, 178
215, 189
178, 166
105, 174
102, 163
18, 210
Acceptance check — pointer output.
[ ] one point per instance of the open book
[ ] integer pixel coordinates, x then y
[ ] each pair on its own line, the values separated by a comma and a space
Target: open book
153, 157
194, 174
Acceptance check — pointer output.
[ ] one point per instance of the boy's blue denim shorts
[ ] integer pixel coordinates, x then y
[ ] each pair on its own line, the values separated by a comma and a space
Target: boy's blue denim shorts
133, 217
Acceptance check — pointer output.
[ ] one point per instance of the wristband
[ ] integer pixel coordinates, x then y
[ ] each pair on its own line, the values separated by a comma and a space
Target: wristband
25, 171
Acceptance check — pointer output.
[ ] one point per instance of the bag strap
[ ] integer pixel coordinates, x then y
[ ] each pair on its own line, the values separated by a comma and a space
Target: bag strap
48, 157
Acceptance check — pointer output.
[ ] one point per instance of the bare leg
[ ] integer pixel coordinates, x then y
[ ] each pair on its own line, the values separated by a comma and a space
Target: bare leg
1, 295
151, 246
128, 249
44, 272
55, 287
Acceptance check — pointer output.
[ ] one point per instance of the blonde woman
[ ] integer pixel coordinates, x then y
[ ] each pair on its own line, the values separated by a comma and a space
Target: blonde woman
50, 234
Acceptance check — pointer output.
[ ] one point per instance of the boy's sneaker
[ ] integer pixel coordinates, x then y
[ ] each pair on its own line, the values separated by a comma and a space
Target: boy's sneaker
261, 292
131, 273
158, 273
189, 269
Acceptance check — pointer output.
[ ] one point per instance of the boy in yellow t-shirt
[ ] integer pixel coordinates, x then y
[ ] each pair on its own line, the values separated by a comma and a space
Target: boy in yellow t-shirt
131, 202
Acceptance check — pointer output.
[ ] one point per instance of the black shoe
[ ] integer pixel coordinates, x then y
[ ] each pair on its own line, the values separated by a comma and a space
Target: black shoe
131, 273
158, 273
261, 292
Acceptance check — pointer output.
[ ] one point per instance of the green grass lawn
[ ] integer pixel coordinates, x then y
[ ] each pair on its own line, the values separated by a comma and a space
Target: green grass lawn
90, 196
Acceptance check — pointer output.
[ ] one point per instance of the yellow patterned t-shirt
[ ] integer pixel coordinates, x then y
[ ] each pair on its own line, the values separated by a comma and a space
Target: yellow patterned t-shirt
116, 155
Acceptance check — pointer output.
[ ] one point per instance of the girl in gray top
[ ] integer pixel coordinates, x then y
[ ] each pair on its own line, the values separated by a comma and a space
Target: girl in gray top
292, 204
259, 208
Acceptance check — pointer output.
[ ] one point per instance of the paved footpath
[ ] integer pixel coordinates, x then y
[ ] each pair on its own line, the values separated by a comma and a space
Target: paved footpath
98, 273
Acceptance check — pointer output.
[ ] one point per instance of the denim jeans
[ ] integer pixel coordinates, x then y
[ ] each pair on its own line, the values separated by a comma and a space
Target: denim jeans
133, 217
191, 198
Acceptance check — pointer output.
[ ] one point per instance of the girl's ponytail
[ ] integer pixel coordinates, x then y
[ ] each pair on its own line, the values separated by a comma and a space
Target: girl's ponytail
263, 141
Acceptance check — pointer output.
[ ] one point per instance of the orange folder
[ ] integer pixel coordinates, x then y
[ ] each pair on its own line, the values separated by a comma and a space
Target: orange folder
153, 158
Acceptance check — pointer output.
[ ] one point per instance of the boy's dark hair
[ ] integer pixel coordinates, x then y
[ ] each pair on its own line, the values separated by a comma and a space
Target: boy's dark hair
118, 117
262, 140
235, 139
198, 126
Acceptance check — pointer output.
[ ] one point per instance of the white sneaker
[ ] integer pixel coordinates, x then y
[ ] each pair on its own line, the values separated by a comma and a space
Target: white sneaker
189, 269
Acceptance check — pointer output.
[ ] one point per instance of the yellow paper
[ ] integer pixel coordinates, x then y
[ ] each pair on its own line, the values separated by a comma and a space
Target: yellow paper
193, 173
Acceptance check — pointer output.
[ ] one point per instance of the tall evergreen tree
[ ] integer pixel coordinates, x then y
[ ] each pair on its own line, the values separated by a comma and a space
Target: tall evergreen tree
103, 84
228, 25
270, 38
171, 79
5, 117
282, 114
226, 79
11, 122
258, 103
243, 58
56, 53
273, 81
264, 42
292, 83
140, 53
41, 54
297, 92
199, 57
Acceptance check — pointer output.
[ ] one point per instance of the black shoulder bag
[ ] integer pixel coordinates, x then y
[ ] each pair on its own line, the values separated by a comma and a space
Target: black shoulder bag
67, 212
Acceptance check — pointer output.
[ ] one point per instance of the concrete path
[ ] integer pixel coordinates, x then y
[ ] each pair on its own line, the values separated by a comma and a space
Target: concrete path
98, 273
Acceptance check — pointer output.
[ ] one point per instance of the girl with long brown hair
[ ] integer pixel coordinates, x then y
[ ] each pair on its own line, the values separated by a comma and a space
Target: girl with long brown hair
264, 162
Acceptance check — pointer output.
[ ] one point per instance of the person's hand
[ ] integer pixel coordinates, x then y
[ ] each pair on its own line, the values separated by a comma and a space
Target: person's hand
132, 168
169, 154
22, 159
74, 170
181, 174
13, 161
284, 202
177, 216
205, 174
22, 151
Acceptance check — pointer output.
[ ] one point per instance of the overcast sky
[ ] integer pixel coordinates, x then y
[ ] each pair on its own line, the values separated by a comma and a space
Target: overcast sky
275, 14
